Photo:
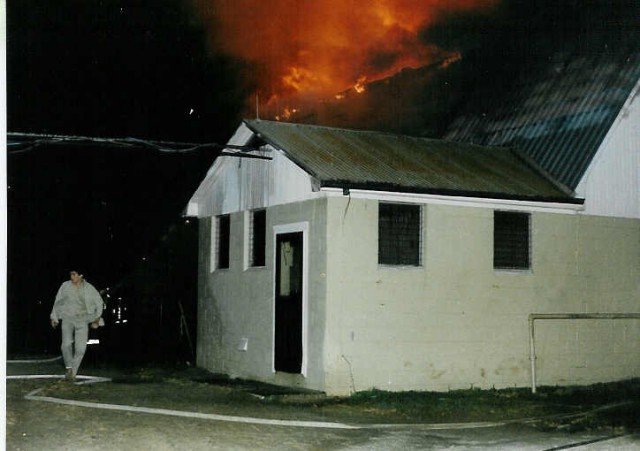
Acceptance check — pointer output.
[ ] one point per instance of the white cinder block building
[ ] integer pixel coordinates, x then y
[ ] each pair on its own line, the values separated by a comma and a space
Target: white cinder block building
505, 254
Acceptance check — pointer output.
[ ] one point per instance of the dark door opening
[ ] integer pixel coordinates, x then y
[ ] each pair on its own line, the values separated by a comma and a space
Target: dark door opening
288, 300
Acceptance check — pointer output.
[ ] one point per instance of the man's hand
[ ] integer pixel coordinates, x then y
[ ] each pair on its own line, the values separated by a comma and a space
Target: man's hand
54, 323
95, 324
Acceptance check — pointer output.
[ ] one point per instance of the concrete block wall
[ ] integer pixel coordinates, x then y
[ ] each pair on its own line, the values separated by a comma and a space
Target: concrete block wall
455, 322
236, 305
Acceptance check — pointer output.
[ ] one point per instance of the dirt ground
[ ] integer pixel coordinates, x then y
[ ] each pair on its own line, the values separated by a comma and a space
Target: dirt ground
38, 425
41, 425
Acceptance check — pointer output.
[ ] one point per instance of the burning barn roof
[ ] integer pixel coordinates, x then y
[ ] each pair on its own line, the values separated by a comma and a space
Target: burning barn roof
407, 66
302, 52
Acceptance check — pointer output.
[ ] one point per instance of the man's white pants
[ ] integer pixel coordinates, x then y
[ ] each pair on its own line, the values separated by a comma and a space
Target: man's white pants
74, 342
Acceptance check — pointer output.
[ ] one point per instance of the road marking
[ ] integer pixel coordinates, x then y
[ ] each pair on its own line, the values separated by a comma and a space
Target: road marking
53, 359
33, 396
588, 442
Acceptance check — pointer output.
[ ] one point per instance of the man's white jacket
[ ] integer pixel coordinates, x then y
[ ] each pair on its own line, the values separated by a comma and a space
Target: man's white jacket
63, 305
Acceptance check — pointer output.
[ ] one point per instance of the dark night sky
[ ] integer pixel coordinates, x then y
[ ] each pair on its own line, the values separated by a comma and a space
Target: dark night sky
115, 68
108, 69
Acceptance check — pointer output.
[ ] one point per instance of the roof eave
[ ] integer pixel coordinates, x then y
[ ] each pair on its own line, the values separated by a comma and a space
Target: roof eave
280, 148
393, 188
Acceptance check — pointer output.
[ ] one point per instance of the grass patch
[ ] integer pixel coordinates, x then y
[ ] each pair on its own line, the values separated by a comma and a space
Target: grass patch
197, 390
554, 403
455, 406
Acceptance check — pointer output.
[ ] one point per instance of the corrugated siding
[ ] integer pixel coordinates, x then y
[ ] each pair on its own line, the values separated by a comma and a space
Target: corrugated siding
558, 117
204, 200
611, 187
239, 184
352, 158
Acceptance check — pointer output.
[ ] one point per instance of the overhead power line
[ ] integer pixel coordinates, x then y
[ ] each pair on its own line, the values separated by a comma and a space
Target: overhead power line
18, 143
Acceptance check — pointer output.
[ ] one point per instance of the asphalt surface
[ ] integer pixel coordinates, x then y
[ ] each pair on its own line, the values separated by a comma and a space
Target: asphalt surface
39, 425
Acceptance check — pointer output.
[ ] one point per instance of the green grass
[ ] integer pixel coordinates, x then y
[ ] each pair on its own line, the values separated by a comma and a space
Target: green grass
514, 404
198, 390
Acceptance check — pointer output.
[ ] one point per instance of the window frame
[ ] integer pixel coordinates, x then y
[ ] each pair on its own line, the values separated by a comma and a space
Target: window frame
382, 262
219, 228
251, 241
514, 264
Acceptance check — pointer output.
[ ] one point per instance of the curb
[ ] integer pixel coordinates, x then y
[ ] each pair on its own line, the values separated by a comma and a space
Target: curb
33, 396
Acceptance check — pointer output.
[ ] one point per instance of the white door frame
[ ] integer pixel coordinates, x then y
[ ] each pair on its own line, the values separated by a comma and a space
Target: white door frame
280, 230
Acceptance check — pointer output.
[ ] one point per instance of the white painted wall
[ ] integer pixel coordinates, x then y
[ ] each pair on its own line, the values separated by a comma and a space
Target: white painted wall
452, 323
457, 323
611, 186
235, 184
236, 305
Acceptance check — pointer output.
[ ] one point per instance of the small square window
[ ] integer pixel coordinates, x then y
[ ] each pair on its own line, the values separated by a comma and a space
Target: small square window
511, 240
257, 238
223, 232
399, 228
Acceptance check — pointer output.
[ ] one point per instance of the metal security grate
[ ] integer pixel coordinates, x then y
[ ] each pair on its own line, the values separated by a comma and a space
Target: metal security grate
511, 240
399, 234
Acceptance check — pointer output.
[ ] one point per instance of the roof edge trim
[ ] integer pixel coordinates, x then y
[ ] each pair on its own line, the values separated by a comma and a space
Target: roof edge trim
446, 192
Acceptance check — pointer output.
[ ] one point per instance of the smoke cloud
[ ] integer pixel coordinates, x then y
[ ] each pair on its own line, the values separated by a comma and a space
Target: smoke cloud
400, 65
316, 49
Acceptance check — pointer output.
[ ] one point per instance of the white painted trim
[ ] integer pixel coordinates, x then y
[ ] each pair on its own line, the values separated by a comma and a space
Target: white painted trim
34, 396
459, 201
279, 230
213, 248
192, 209
246, 226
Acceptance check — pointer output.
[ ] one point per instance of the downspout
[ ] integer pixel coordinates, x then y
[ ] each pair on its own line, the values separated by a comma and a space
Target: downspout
532, 351
535, 316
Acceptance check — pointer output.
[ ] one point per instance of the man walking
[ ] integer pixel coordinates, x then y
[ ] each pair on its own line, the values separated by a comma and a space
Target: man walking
77, 304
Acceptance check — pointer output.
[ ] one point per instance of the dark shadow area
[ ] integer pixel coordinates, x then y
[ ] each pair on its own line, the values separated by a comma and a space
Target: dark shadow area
111, 69
117, 214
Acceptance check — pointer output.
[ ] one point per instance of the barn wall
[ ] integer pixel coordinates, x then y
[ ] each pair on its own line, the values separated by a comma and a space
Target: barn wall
454, 322
611, 186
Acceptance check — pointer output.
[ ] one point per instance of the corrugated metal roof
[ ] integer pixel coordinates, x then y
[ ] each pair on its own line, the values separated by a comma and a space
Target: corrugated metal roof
373, 160
560, 115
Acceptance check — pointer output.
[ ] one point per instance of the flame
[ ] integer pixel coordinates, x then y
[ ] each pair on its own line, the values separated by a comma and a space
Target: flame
315, 49
359, 87
449, 60
300, 79
286, 114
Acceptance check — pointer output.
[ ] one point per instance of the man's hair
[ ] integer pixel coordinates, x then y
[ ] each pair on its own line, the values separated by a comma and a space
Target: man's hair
76, 270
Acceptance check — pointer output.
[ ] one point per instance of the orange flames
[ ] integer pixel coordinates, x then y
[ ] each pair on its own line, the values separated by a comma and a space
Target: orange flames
314, 49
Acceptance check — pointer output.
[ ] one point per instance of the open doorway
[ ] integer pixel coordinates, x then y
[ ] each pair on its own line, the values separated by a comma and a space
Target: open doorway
289, 289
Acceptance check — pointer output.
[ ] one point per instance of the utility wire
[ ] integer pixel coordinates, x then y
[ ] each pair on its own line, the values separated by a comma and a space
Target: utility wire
18, 143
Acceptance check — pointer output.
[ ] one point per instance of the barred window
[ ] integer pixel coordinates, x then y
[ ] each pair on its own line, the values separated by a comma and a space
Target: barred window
257, 238
223, 231
399, 229
511, 240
